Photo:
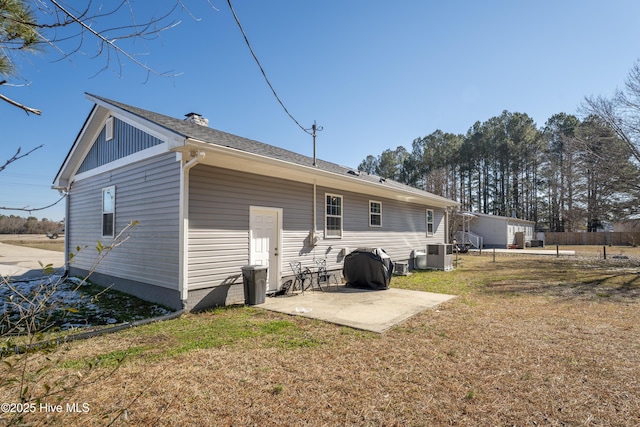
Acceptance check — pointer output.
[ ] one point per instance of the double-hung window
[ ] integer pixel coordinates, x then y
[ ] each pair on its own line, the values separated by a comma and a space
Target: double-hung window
108, 211
375, 214
333, 216
429, 222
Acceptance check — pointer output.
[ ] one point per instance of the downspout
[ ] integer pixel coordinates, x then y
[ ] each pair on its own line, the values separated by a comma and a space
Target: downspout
184, 224
65, 192
446, 225
312, 236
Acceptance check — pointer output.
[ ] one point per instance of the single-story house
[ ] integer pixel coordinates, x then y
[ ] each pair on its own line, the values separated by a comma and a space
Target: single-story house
208, 203
494, 231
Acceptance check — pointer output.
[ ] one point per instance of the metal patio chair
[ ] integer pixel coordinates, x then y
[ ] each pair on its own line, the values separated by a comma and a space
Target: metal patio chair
300, 276
322, 275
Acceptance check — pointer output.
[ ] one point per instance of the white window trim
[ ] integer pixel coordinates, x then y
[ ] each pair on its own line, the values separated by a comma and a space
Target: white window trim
341, 216
113, 225
108, 132
433, 220
371, 214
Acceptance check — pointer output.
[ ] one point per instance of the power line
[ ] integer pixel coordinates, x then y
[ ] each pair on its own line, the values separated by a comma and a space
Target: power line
27, 209
246, 39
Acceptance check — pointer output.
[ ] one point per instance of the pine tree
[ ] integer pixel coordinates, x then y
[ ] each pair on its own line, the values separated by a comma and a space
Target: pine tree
17, 33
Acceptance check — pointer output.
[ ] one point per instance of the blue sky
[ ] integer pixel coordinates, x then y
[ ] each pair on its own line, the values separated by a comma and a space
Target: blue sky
374, 74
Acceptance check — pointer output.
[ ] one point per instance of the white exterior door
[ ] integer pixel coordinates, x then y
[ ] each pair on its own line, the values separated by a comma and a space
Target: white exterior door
264, 235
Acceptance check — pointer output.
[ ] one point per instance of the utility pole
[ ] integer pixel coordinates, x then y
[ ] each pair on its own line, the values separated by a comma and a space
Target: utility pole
314, 128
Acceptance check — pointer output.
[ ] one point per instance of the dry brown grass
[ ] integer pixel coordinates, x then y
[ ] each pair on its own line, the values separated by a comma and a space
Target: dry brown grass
38, 241
531, 341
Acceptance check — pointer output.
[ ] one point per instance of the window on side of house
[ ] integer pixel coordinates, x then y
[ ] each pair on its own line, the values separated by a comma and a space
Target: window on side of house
108, 211
333, 216
375, 213
429, 222
108, 129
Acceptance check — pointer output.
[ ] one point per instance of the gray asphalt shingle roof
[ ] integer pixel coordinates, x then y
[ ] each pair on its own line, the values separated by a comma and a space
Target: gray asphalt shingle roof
214, 136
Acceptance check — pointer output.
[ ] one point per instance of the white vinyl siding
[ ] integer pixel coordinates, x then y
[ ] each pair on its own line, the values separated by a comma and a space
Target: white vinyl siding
219, 208
499, 231
403, 228
148, 192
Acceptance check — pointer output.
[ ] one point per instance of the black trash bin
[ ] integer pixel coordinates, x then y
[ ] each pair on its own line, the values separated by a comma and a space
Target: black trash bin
254, 278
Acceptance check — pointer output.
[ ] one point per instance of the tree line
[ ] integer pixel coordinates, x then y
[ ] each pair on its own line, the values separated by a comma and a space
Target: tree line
12, 224
570, 175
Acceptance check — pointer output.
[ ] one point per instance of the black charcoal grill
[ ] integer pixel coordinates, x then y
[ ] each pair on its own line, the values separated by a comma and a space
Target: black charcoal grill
368, 268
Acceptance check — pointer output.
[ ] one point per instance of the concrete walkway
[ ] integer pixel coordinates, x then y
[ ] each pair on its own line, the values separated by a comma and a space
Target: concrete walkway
366, 309
20, 262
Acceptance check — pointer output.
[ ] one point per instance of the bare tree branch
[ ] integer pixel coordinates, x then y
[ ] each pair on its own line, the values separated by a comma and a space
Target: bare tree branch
21, 106
18, 156
30, 210
621, 112
67, 28
110, 43
607, 111
17, 104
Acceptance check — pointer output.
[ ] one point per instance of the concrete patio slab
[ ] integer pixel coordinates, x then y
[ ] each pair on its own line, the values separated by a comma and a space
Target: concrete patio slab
365, 309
